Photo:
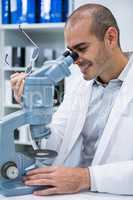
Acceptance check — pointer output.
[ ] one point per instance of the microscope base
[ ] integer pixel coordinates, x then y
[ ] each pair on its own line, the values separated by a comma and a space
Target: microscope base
18, 188
15, 189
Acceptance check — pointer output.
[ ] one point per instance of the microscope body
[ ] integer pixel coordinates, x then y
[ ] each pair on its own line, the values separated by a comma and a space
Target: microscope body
37, 112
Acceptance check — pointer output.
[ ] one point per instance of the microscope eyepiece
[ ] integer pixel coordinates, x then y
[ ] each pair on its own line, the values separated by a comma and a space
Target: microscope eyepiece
74, 55
66, 53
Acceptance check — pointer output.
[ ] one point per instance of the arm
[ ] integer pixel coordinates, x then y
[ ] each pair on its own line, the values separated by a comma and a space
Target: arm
115, 178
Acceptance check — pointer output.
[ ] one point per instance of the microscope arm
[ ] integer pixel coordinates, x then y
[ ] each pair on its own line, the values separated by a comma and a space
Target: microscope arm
7, 147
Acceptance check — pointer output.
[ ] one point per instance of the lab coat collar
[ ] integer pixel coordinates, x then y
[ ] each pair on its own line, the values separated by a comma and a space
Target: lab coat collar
122, 100
124, 72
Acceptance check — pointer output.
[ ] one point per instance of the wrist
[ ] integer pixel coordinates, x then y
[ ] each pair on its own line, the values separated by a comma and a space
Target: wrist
86, 179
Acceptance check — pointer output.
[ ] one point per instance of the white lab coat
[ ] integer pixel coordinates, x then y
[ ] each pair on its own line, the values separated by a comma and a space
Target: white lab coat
112, 166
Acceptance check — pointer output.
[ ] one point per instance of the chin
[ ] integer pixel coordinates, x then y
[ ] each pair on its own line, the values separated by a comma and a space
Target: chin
87, 78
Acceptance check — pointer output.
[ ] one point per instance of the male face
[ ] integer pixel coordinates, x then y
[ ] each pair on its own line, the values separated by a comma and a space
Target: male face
94, 55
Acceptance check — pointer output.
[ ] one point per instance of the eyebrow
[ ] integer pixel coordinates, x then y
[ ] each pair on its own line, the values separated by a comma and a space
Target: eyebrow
78, 45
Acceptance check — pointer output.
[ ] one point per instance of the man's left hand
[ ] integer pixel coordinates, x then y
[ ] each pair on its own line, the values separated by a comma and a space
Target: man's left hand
62, 179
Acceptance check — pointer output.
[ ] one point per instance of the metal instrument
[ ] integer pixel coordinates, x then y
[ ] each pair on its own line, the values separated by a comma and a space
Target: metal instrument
36, 111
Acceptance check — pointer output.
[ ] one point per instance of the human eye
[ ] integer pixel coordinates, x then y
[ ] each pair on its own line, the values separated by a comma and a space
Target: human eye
82, 49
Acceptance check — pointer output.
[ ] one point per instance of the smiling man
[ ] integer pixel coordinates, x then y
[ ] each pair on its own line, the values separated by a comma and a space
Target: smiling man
93, 32
92, 129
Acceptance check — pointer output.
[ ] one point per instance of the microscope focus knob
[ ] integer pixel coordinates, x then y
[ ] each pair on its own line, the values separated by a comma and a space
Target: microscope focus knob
10, 170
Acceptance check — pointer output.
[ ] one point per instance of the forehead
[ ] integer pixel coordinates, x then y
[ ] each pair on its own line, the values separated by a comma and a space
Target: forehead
77, 32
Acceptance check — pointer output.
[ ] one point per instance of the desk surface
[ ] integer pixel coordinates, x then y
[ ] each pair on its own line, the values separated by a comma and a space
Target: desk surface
80, 196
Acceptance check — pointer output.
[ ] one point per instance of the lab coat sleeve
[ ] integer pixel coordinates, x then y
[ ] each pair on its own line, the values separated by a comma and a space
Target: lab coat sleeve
60, 119
115, 178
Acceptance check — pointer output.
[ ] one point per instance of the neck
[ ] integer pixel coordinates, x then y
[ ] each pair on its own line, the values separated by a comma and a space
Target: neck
115, 67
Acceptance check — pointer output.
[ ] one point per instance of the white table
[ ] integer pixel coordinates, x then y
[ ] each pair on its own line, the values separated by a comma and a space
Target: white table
80, 196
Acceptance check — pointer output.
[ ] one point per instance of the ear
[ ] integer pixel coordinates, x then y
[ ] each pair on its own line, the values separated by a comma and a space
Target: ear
111, 37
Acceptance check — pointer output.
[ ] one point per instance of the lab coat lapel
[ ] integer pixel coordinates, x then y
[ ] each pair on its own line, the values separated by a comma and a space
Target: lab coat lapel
119, 107
83, 103
76, 121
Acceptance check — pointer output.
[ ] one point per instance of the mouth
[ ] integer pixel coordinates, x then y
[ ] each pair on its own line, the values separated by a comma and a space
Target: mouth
85, 66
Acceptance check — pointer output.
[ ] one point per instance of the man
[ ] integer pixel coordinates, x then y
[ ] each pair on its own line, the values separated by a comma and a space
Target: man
93, 128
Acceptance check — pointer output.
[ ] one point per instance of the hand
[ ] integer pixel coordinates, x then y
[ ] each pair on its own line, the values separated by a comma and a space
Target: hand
17, 84
63, 179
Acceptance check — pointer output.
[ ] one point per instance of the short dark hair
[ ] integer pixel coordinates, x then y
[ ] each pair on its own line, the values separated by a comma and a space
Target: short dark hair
102, 19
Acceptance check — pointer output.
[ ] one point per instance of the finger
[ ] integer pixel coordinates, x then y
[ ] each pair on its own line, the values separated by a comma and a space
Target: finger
39, 176
18, 75
46, 191
21, 88
13, 82
16, 79
14, 75
40, 182
24, 178
42, 170
18, 83
18, 99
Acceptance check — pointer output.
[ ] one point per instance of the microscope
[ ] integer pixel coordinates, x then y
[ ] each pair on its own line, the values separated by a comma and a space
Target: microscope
37, 110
